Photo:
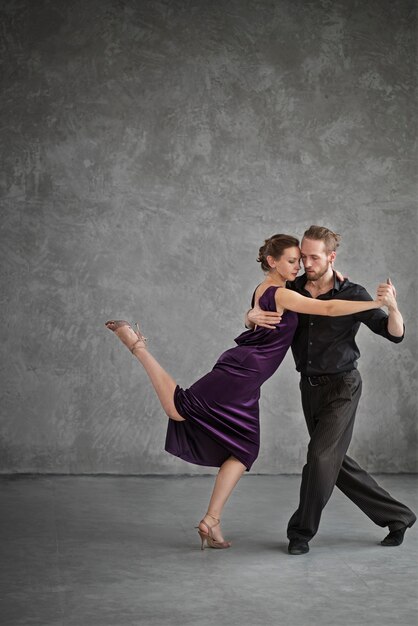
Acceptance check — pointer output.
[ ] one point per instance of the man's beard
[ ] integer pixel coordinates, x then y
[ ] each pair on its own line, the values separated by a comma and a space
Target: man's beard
317, 275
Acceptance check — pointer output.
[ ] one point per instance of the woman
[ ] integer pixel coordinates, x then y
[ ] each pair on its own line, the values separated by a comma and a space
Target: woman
216, 421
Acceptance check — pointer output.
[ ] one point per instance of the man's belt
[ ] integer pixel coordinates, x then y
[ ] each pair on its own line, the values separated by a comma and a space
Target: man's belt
315, 381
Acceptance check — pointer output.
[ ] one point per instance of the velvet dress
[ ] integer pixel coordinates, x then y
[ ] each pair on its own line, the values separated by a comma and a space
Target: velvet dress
221, 410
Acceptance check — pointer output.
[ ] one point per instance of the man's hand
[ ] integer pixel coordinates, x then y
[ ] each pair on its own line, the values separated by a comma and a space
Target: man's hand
266, 319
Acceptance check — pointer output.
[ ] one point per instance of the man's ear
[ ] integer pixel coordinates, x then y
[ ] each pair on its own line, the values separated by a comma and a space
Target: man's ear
332, 256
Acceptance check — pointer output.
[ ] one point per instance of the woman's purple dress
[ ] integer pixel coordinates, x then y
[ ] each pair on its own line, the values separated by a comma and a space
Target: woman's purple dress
221, 409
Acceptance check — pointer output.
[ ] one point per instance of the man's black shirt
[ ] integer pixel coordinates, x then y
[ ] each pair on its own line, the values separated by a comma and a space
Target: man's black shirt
326, 345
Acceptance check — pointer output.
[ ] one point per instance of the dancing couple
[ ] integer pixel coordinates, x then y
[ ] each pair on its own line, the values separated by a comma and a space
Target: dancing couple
215, 422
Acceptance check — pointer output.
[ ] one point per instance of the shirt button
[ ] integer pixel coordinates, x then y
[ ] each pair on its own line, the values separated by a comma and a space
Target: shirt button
311, 323
310, 343
309, 362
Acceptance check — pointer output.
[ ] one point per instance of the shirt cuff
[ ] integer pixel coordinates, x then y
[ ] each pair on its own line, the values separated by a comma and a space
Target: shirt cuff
394, 338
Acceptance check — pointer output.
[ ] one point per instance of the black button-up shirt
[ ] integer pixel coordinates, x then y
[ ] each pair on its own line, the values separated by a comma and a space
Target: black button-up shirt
326, 345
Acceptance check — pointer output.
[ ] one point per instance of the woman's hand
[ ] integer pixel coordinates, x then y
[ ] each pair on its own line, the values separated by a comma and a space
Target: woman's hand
340, 277
265, 319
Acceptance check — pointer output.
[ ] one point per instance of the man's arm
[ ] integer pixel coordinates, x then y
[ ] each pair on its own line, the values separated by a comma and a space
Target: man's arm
395, 322
247, 323
389, 326
387, 292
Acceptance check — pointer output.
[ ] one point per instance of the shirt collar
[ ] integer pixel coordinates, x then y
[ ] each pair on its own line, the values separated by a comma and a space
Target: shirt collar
302, 280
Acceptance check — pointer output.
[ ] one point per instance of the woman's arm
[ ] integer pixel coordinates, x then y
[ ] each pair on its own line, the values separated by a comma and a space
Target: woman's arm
292, 301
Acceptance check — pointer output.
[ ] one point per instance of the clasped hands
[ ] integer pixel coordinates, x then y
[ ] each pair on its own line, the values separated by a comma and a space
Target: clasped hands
386, 294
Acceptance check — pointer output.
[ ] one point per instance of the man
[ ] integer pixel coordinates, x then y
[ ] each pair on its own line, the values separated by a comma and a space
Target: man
326, 356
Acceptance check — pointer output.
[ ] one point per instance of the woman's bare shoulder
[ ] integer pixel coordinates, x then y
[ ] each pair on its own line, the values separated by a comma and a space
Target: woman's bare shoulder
262, 288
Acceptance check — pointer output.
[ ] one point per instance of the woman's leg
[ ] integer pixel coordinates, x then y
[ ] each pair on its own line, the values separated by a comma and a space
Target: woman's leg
230, 471
163, 384
228, 476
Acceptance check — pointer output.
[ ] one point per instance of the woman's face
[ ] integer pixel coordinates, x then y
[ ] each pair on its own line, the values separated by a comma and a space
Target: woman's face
288, 265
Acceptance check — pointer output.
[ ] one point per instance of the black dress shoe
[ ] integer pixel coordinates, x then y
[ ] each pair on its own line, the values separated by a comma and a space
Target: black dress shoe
298, 546
394, 538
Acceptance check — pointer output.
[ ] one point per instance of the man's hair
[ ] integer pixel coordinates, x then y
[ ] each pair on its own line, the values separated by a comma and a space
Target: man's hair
320, 233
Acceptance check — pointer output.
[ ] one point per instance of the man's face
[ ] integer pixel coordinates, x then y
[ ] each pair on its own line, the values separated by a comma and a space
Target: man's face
315, 258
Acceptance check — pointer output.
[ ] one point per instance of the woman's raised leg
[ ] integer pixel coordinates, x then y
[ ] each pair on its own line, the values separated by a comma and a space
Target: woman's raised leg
230, 471
228, 476
163, 383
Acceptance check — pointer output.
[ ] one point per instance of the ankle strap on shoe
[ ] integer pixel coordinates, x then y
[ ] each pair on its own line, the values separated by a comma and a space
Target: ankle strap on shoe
135, 345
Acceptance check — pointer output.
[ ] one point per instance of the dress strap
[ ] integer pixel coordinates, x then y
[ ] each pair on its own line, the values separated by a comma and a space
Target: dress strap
253, 298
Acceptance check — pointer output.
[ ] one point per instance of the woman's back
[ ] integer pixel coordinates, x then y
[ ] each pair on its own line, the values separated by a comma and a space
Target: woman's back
262, 350
221, 409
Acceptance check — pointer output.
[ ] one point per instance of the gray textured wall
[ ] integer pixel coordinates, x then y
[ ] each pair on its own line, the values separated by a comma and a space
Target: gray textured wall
148, 148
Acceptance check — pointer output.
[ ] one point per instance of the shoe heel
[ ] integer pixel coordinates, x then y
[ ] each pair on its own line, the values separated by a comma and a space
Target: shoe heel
203, 537
208, 536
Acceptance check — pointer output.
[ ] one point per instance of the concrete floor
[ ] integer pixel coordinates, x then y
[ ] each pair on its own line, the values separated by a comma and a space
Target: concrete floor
121, 551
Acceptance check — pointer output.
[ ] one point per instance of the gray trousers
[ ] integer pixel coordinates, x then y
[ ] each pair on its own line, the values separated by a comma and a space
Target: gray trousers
330, 411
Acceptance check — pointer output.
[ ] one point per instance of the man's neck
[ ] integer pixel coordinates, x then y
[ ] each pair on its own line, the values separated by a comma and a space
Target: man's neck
322, 285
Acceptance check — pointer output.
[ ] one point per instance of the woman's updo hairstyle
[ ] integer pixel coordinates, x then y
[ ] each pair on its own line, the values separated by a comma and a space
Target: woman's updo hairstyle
275, 246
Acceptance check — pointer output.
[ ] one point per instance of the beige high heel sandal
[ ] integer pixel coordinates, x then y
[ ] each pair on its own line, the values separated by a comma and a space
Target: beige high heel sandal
113, 325
208, 536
